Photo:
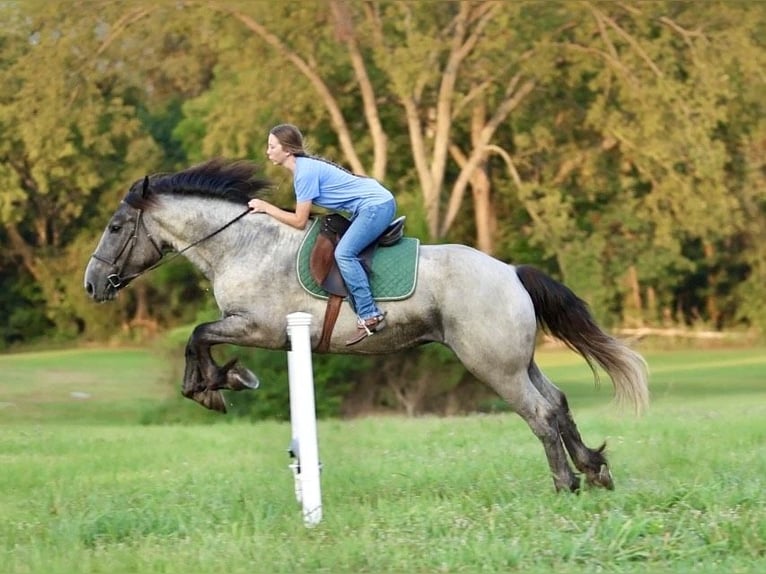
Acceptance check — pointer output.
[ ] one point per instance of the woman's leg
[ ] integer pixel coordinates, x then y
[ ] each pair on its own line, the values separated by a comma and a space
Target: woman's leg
365, 228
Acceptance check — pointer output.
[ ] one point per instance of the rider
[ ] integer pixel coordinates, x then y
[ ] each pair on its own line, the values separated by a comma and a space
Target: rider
370, 205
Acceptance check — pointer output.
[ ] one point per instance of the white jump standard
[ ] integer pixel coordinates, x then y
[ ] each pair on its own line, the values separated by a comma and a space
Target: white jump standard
304, 445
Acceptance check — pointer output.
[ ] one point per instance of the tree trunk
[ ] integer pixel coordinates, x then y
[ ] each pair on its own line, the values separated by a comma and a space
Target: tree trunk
484, 213
633, 305
711, 301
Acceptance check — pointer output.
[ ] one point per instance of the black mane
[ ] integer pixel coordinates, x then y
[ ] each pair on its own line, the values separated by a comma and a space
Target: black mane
230, 180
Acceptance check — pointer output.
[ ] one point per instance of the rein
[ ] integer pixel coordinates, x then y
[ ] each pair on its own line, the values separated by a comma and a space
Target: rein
116, 280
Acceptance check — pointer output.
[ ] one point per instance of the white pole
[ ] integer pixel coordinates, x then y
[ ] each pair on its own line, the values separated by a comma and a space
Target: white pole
295, 419
303, 418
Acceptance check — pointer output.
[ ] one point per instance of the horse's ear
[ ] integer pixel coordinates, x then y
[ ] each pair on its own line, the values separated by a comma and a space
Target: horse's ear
145, 188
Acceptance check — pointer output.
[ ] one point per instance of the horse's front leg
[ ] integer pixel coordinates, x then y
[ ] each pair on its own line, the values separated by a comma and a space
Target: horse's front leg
203, 377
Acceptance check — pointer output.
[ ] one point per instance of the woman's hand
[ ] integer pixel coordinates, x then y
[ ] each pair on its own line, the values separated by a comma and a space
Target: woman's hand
296, 219
258, 206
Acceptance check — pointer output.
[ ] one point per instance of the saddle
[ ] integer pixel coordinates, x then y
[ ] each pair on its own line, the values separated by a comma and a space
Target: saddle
324, 270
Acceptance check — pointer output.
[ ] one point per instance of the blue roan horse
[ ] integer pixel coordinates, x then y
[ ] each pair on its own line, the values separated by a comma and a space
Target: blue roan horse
486, 311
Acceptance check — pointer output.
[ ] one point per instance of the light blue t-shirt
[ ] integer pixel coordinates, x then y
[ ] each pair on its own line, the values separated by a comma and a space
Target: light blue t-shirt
334, 188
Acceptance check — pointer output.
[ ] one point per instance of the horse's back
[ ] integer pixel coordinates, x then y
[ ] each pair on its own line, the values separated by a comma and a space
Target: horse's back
461, 269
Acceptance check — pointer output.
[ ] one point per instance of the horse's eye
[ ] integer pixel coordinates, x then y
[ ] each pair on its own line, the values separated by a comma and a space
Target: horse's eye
114, 228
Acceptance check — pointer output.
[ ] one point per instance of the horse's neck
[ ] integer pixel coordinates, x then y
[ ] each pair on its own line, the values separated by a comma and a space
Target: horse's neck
253, 239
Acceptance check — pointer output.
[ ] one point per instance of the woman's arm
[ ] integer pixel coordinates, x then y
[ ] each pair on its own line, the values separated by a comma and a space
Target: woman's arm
297, 219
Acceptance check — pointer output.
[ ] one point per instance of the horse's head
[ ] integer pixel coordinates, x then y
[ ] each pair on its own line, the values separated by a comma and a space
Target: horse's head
126, 248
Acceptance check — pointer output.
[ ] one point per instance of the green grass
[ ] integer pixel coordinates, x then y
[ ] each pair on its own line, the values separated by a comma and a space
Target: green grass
84, 385
400, 495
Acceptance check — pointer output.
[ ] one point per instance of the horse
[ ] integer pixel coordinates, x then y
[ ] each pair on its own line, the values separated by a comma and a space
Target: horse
489, 313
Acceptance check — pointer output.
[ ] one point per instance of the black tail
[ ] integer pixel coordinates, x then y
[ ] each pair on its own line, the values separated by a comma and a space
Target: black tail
567, 317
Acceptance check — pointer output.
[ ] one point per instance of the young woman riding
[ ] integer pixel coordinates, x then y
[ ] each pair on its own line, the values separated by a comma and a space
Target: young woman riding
371, 208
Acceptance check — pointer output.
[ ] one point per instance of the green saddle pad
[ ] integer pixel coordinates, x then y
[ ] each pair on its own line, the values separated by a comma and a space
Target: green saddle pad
394, 269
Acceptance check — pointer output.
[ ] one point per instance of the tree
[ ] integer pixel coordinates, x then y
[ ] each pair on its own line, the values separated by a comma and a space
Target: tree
619, 145
409, 55
626, 165
66, 137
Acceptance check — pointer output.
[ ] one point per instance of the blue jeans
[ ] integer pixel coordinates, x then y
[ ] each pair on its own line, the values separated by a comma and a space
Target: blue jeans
365, 228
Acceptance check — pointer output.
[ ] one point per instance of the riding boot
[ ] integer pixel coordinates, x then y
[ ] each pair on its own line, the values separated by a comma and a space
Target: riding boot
367, 328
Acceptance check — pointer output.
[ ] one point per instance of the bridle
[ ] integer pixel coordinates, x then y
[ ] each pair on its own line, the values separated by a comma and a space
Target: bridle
116, 279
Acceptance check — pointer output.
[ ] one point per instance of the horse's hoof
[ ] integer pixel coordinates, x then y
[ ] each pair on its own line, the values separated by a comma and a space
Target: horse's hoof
212, 400
602, 478
241, 379
572, 484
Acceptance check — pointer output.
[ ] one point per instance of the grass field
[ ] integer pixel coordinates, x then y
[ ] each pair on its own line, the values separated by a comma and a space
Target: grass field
84, 489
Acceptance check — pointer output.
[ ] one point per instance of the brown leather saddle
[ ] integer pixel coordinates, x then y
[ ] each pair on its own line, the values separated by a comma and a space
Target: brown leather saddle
325, 271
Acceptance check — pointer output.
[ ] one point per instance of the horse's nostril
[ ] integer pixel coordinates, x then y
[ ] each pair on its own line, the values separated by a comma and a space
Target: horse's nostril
89, 288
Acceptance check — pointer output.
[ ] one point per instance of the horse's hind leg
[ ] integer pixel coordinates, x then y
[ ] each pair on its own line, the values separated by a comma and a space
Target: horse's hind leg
511, 381
542, 418
591, 462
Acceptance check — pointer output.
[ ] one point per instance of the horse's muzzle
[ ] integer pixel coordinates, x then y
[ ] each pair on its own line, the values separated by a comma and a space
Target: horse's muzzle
106, 294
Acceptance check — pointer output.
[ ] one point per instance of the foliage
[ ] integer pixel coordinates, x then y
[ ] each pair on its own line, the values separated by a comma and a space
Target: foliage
23, 323
68, 137
617, 145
